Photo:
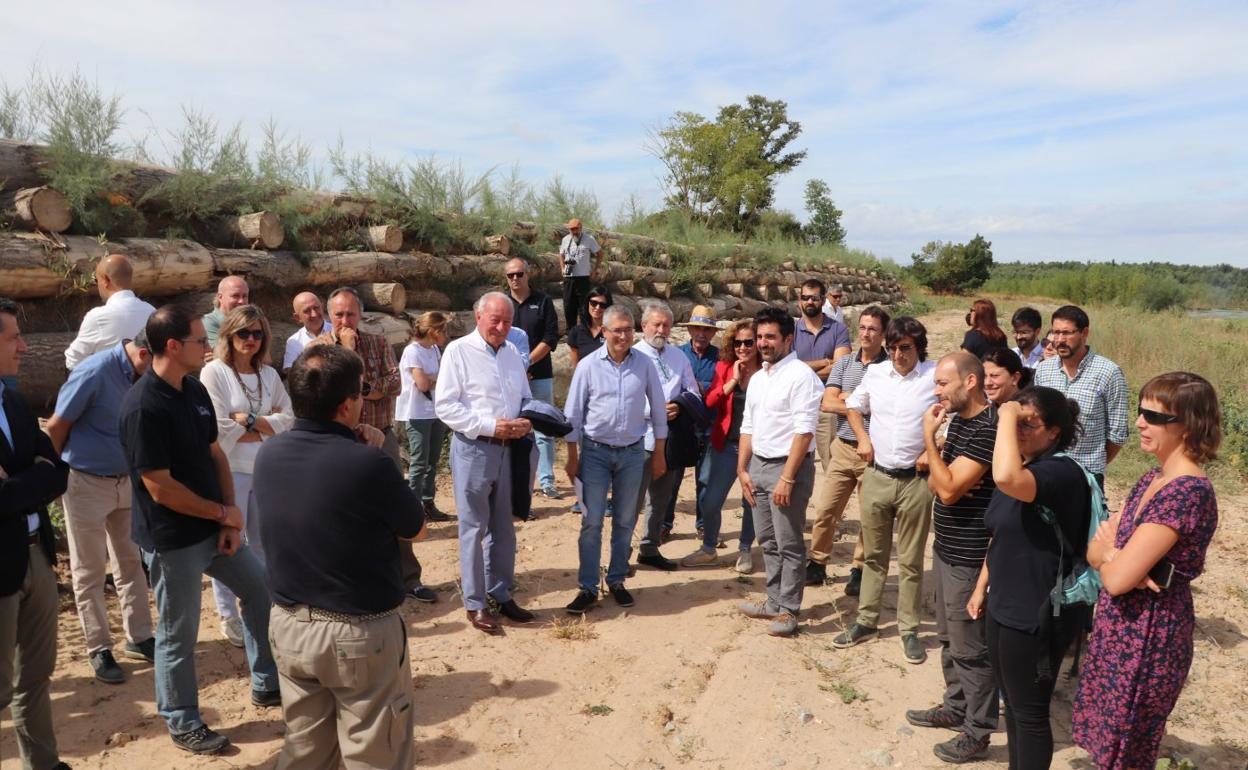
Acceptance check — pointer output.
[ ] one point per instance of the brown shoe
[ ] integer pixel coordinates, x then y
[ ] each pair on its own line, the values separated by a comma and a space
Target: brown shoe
482, 620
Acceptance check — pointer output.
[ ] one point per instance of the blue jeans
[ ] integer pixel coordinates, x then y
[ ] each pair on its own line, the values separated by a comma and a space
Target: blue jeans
544, 390
617, 470
424, 446
177, 580
721, 474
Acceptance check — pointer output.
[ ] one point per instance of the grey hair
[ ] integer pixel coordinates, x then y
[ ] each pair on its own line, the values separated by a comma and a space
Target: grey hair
479, 305
345, 290
618, 311
656, 306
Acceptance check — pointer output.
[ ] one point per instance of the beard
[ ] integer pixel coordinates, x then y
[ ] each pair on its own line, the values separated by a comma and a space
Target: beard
812, 311
658, 341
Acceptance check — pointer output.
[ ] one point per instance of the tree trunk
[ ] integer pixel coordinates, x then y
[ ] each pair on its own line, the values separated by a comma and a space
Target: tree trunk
498, 244
397, 331
42, 372
428, 299
383, 297
384, 238
42, 208
262, 229
625, 287
33, 266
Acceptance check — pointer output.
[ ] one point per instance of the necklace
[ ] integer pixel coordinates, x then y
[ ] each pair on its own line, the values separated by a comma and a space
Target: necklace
255, 399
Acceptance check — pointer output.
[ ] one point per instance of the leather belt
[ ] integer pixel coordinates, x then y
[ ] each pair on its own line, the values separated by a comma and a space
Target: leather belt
896, 473
103, 476
850, 441
306, 612
612, 446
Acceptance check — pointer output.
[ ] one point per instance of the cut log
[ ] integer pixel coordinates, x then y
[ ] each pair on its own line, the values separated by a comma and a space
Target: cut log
262, 229
498, 244
397, 331
625, 287
385, 238
524, 231
705, 290
428, 299
662, 289
383, 297
42, 208
42, 371
33, 266
735, 289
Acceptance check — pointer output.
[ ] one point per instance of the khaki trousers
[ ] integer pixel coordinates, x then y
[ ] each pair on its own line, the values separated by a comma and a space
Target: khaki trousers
840, 478
97, 523
346, 692
825, 432
903, 505
27, 658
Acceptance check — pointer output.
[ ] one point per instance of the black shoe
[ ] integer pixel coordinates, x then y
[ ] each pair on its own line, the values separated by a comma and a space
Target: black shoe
855, 581
433, 514
62, 766
816, 574
912, 649
657, 561
583, 601
423, 594
665, 535
961, 748
144, 650
855, 634
266, 698
621, 595
512, 611
201, 740
106, 668
936, 716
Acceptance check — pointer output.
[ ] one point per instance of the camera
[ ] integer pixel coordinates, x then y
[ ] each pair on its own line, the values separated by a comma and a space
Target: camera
569, 264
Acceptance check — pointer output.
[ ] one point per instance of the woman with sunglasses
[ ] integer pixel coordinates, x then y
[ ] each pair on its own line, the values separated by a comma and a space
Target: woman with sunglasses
1148, 554
1025, 641
1049, 346
1004, 375
251, 405
738, 362
586, 337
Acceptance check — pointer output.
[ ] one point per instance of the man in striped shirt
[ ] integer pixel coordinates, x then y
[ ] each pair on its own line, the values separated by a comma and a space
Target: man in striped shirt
961, 479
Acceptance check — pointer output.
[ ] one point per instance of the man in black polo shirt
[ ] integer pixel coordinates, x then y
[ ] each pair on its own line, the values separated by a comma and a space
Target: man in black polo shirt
334, 510
961, 478
534, 313
187, 525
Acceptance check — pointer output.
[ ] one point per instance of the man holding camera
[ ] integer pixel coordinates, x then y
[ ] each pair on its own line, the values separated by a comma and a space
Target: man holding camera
582, 259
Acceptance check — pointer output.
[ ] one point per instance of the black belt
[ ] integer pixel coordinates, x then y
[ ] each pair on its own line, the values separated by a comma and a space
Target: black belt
771, 459
612, 446
897, 473
851, 441
103, 476
486, 439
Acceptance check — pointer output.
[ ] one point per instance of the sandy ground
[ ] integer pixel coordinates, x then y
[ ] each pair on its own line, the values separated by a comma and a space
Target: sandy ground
680, 679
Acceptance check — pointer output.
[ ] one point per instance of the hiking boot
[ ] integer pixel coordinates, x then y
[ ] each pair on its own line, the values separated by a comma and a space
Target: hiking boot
232, 630
433, 514
760, 611
855, 634
700, 558
144, 650
936, 716
106, 668
423, 593
914, 651
745, 563
785, 625
855, 581
961, 748
658, 561
201, 740
621, 595
816, 573
581, 604
266, 698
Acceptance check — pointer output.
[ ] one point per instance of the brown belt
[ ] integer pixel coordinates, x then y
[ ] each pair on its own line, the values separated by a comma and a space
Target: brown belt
305, 613
487, 439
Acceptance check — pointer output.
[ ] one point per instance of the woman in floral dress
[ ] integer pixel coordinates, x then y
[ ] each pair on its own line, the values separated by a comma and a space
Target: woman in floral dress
1141, 645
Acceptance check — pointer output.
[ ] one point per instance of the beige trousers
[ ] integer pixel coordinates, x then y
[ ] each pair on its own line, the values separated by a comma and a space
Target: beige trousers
27, 658
892, 505
825, 431
840, 478
97, 523
346, 692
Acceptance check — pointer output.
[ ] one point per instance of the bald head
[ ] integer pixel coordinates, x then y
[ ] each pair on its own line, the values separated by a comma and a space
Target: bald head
114, 273
959, 381
308, 312
232, 292
965, 364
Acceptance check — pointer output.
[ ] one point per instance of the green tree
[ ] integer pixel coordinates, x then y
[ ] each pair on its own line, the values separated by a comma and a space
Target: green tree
953, 268
825, 217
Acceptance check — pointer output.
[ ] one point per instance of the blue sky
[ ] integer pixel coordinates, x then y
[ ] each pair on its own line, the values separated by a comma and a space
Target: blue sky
1073, 130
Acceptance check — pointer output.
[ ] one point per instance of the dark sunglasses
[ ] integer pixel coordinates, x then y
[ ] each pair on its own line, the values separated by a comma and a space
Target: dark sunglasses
250, 334
743, 343
835, 296
516, 275
599, 303
811, 298
1157, 418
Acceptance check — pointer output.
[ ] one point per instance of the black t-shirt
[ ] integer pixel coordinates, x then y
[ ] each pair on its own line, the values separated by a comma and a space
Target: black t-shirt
583, 341
163, 428
977, 344
333, 512
1022, 560
536, 316
961, 538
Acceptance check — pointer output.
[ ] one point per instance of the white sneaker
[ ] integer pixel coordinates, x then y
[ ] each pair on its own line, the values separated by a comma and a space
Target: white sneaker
232, 630
745, 563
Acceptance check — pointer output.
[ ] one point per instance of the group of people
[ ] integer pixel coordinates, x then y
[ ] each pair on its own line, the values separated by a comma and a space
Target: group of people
181, 451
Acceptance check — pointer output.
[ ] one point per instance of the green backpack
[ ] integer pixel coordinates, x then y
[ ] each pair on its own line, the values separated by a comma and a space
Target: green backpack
1083, 584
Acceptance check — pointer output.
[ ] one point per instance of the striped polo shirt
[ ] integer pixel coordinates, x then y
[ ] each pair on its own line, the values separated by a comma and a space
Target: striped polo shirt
961, 537
846, 373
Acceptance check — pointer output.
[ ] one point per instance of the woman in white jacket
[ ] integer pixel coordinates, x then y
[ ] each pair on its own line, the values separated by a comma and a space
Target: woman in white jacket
251, 405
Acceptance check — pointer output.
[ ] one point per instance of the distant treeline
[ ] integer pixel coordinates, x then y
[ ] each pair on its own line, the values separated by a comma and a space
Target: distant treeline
1150, 285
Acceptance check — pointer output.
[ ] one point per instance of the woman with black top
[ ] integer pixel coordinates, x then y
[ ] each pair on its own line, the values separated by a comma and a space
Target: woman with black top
1025, 641
984, 333
586, 337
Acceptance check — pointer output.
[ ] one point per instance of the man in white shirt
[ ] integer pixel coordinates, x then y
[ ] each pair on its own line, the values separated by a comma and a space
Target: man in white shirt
481, 386
120, 317
310, 316
894, 490
832, 305
676, 375
775, 465
581, 257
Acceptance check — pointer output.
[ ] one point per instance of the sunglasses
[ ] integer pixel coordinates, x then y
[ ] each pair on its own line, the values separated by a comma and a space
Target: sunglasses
743, 343
250, 334
1157, 418
516, 275
811, 298
835, 296
904, 348
599, 303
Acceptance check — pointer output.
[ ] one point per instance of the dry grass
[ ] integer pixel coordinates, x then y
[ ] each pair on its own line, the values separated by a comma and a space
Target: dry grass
573, 630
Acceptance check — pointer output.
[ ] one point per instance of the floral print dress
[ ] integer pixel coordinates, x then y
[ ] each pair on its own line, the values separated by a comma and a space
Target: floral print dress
1141, 645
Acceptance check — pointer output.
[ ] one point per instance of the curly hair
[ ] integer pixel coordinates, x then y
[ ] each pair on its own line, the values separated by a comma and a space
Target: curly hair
726, 350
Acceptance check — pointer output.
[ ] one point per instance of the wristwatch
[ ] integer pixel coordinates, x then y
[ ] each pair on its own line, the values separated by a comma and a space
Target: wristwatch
251, 423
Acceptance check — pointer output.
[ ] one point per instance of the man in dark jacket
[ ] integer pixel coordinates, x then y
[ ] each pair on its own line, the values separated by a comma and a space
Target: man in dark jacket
534, 313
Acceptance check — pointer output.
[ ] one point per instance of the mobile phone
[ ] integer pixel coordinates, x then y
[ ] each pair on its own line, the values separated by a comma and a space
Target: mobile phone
1162, 573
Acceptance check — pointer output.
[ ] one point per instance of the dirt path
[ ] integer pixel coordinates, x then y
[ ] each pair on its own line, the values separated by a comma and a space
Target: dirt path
681, 679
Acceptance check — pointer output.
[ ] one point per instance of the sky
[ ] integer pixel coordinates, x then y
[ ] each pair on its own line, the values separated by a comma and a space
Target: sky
1058, 130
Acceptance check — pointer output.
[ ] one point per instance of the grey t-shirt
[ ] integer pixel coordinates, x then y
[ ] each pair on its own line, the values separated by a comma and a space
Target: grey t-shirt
582, 250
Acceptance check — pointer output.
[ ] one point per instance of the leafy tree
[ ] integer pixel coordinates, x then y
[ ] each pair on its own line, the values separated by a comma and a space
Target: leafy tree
825, 217
953, 268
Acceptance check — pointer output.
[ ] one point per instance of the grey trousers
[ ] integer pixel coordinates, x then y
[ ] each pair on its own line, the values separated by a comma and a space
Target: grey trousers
970, 688
779, 530
481, 473
27, 658
660, 494
408, 562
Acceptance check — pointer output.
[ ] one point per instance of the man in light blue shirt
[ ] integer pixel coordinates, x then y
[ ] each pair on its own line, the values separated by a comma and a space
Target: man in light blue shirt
615, 398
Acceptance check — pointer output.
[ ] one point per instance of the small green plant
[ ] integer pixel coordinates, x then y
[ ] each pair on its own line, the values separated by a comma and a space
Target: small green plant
597, 710
1166, 763
847, 692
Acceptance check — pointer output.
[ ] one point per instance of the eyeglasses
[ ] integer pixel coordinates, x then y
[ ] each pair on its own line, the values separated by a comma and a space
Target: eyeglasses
513, 276
743, 343
1157, 418
250, 334
901, 348
599, 303
1030, 426
1065, 332
811, 298
1050, 343
620, 331
202, 341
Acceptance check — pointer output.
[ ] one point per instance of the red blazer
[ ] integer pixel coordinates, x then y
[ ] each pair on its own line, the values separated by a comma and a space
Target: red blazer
715, 399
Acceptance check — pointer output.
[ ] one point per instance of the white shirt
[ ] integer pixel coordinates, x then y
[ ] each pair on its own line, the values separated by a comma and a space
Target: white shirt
296, 342
836, 313
582, 251
228, 396
411, 403
121, 317
1033, 360
477, 386
781, 402
896, 405
675, 374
